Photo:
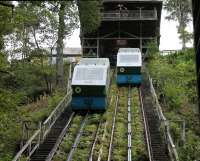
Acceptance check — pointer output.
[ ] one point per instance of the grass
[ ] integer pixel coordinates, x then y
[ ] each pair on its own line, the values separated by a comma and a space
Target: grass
68, 141
120, 136
11, 123
40, 110
139, 152
83, 149
119, 152
105, 132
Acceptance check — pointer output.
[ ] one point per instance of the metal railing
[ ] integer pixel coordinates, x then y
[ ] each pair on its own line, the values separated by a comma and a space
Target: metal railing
38, 137
49, 122
131, 0
130, 15
164, 123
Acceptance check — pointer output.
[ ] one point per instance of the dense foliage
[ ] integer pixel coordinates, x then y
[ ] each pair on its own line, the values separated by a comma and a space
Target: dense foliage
89, 15
28, 91
174, 77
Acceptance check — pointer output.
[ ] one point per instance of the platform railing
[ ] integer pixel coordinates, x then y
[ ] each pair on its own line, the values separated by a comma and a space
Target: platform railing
40, 134
165, 124
130, 15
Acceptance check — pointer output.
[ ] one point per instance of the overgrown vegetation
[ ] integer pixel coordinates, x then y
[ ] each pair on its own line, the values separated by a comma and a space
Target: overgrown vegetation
139, 152
174, 77
68, 141
28, 91
89, 15
120, 141
87, 138
11, 120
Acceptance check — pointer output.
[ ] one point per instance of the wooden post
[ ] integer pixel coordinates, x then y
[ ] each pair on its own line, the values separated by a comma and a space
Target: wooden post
23, 135
40, 134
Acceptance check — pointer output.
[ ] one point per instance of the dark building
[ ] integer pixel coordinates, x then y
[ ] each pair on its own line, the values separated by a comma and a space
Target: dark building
196, 20
124, 23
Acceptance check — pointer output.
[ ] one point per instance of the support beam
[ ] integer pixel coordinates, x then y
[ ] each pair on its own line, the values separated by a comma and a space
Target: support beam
196, 17
7, 4
120, 38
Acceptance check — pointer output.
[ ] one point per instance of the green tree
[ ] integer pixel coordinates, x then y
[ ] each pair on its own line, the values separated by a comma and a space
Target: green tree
180, 10
60, 45
6, 9
152, 50
89, 13
40, 25
68, 21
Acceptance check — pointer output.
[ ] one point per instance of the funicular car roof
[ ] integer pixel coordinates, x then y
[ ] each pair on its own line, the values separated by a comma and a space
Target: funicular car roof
90, 74
129, 57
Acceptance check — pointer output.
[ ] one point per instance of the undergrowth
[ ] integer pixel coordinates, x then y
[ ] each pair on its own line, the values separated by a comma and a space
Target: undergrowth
139, 152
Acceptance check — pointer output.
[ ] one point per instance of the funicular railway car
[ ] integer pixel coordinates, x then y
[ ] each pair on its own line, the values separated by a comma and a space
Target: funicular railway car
129, 63
90, 84
94, 61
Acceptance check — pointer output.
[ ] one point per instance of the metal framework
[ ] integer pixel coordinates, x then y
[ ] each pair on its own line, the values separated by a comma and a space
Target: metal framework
196, 20
124, 23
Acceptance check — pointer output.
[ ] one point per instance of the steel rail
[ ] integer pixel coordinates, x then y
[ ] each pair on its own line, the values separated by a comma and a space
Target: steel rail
94, 142
104, 134
101, 148
113, 128
103, 137
147, 134
60, 138
129, 134
77, 139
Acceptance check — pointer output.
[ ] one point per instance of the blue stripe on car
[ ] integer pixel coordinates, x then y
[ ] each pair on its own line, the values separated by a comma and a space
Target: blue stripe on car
129, 79
85, 103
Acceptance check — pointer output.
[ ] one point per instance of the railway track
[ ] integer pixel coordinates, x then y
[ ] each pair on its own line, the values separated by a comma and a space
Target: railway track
129, 125
94, 149
77, 139
120, 106
50, 145
113, 128
91, 153
157, 149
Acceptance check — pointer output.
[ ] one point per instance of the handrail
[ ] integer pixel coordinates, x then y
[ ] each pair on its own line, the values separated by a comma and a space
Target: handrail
129, 14
159, 109
60, 139
28, 146
170, 144
38, 137
54, 111
48, 123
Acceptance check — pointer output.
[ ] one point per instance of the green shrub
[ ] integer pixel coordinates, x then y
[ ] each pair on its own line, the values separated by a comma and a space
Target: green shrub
174, 77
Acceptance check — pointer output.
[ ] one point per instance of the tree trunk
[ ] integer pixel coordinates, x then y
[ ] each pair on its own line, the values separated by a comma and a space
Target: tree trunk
183, 40
59, 49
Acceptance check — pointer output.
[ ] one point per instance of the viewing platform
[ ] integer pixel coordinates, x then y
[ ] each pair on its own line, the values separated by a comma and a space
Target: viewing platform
129, 15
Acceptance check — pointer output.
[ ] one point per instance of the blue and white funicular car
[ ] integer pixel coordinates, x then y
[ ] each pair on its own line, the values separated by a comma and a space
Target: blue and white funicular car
129, 63
90, 84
